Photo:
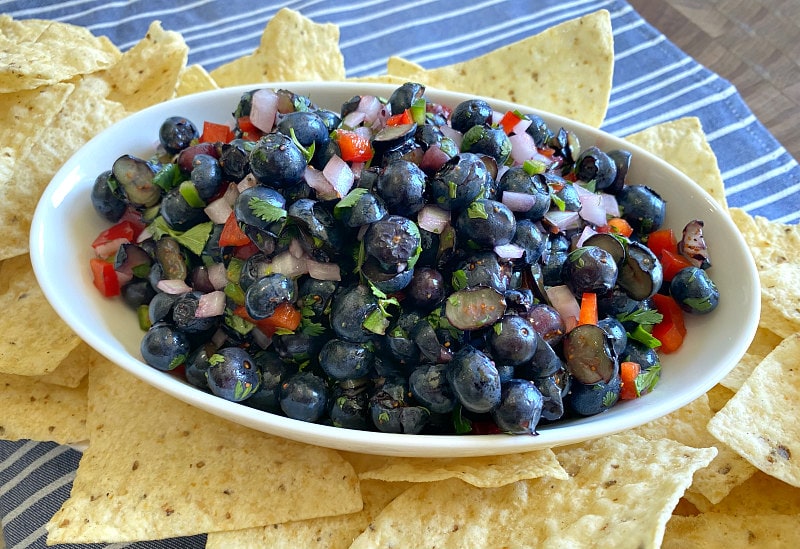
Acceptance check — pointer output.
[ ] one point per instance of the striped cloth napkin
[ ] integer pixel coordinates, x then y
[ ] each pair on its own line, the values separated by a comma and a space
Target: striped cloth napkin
653, 82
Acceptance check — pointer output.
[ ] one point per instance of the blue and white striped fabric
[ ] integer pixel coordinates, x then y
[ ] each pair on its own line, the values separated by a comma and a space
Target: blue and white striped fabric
653, 82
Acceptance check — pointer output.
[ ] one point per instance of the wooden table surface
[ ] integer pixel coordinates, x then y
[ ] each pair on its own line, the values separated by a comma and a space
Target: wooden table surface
754, 44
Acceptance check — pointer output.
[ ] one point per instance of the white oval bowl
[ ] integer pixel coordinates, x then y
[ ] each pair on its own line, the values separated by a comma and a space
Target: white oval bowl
65, 224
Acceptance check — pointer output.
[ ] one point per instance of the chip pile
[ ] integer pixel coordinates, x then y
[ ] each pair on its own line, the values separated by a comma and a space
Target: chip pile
722, 471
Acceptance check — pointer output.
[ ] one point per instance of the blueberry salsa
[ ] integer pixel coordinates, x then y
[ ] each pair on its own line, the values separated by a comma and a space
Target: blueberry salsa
397, 265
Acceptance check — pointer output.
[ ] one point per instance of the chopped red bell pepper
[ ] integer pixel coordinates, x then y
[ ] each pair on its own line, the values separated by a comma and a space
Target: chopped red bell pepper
660, 240
249, 130
628, 372
104, 277
286, 316
232, 234
216, 133
588, 311
509, 120
400, 118
354, 147
672, 329
671, 263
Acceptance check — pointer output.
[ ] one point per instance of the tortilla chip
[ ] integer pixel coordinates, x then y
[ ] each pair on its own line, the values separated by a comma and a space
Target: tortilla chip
322, 533
483, 472
718, 531
683, 144
688, 426
770, 242
27, 321
172, 470
620, 493
780, 298
194, 79
760, 421
763, 343
759, 494
74, 368
35, 53
148, 73
566, 69
292, 48
32, 409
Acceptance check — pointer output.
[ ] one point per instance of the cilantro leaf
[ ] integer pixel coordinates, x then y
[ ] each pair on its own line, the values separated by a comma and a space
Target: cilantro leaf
642, 316
647, 380
350, 199
266, 211
194, 239
477, 210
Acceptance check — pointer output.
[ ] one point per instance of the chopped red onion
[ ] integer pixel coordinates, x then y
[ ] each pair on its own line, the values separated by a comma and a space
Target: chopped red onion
586, 233
518, 202
592, 209
364, 132
509, 251
219, 210
432, 218
173, 286
522, 147
210, 304
108, 249
288, 265
123, 278
521, 126
144, 235
219, 338
217, 275
353, 119
317, 181
610, 204
433, 159
260, 338
563, 301
340, 175
455, 135
323, 271
263, 109
563, 221
232, 193
248, 181
371, 107
296, 249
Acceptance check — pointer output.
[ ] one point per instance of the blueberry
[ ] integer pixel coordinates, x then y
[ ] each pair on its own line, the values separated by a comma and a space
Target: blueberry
350, 411
265, 294
206, 175
106, 198
309, 129
520, 407
591, 399
469, 113
391, 413
392, 240
275, 160
184, 315
694, 291
164, 347
474, 380
429, 386
513, 340
350, 309
402, 186
456, 184
304, 396
486, 223
197, 366
176, 133
342, 359
233, 375
273, 372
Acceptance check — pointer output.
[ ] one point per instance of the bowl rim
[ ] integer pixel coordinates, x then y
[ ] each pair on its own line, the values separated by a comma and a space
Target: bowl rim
371, 441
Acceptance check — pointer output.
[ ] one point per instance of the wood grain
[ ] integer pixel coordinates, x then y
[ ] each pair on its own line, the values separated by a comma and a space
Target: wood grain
754, 44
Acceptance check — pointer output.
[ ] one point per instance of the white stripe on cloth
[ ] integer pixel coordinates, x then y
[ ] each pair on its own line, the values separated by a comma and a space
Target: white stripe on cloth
38, 495
33, 466
762, 179
760, 161
17, 455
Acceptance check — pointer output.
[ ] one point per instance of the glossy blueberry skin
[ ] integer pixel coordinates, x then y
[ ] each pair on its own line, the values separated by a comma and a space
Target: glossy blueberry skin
694, 291
206, 175
496, 228
456, 184
402, 186
391, 413
591, 399
164, 347
273, 372
266, 293
492, 142
531, 239
595, 165
304, 396
429, 386
590, 269
427, 288
368, 209
512, 340
474, 379
233, 375
277, 161
616, 333
469, 113
105, 201
309, 129
642, 207
517, 180
350, 309
404, 96
178, 213
160, 307
234, 159
552, 398
176, 133
342, 359
197, 366
392, 240
245, 214
183, 315
484, 269
545, 362
520, 407
641, 354
350, 411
